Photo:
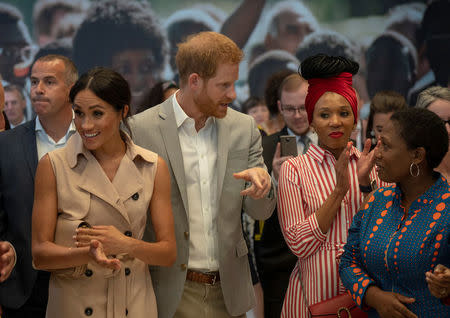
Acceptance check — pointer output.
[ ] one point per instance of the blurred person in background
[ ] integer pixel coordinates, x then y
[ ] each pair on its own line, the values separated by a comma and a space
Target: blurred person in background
15, 105
128, 38
266, 65
156, 95
433, 39
392, 62
4, 123
48, 14
288, 22
437, 99
383, 104
274, 260
255, 107
16, 49
271, 97
182, 23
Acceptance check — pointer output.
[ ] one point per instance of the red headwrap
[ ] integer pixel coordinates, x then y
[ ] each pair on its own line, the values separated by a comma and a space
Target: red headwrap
341, 84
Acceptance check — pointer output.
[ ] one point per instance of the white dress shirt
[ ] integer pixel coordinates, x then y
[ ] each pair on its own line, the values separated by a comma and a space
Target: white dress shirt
45, 143
199, 150
24, 120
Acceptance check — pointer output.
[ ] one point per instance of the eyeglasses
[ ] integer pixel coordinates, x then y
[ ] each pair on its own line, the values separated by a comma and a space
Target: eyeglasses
292, 110
446, 121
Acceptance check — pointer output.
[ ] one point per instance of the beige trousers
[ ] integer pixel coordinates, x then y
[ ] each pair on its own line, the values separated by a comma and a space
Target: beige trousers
202, 301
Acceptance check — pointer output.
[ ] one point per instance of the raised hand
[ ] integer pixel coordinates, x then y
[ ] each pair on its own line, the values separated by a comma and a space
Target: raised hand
342, 173
366, 162
278, 161
260, 180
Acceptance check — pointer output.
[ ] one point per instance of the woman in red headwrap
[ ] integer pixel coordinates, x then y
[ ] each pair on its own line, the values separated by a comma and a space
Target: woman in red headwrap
320, 191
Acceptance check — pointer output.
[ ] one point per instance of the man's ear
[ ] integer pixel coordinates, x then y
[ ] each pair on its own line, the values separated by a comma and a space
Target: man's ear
194, 81
279, 106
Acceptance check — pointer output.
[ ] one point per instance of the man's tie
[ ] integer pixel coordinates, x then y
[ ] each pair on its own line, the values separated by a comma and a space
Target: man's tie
306, 141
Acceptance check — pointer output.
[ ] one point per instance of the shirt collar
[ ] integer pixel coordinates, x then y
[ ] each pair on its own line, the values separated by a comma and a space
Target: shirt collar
76, 150
38, 126
318, 153
181, 116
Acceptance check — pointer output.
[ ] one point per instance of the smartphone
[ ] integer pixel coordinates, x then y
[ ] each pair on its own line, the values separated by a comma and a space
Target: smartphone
288, 146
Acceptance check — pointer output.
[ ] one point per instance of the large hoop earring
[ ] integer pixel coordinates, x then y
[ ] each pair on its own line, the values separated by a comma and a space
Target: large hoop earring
411, 168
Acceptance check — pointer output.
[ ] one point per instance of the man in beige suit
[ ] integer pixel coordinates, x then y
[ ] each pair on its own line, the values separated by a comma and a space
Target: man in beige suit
215, 160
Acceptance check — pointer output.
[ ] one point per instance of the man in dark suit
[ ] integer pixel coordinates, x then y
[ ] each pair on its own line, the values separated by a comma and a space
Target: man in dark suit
24, 292
274, 260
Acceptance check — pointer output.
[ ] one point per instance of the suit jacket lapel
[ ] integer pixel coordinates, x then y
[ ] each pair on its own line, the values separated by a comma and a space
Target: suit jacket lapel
29, 146
169, 133
222, 152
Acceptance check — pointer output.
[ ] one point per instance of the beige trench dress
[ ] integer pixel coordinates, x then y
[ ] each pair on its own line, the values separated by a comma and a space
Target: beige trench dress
85, 194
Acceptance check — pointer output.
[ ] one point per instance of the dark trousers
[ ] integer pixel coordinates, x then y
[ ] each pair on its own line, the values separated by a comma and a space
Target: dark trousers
36, 304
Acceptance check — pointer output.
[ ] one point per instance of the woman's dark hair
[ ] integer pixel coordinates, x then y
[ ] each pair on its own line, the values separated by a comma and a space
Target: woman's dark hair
384, 102
250, 103
155, 95
422, 128
324, 66
107, 85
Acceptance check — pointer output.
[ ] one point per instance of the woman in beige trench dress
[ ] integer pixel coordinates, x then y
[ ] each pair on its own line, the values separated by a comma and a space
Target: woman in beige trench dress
92, 199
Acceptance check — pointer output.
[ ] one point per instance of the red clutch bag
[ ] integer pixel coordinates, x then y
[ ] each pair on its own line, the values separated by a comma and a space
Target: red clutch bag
341, 306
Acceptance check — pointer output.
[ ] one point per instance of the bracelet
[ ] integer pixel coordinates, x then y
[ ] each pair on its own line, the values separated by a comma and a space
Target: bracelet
365, 188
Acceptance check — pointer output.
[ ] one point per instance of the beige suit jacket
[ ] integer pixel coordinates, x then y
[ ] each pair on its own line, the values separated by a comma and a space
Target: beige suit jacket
239, 148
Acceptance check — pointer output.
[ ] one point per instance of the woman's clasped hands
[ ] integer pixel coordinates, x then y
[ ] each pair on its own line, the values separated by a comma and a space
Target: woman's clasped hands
104, 242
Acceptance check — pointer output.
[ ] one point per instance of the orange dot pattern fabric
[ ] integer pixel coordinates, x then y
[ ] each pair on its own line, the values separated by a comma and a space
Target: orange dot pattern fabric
393, 248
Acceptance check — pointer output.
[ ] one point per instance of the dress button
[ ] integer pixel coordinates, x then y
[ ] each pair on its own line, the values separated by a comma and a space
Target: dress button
128, 233
88, 272
88, 311
127, 271
135, 196
183, 267
186, 235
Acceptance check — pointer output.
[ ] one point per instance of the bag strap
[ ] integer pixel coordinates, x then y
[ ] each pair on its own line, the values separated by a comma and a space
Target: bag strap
304, 295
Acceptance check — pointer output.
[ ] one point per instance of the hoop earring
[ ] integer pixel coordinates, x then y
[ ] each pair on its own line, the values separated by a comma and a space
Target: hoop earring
415, 175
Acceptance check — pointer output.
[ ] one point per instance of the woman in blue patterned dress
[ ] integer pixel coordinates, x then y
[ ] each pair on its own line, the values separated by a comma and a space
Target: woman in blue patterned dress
398, 249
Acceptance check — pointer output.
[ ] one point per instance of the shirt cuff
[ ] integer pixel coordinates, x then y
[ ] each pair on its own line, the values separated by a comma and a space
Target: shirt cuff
315, 229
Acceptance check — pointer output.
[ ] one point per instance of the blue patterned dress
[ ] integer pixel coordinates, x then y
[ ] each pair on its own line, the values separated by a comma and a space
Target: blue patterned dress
393, 249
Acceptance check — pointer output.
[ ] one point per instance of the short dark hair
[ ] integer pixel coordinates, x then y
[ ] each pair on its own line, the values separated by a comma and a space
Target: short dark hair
250, 103
71, 75
419, 127
113, 26
155, 95
107, 85
14, 88
384, 102
272, 87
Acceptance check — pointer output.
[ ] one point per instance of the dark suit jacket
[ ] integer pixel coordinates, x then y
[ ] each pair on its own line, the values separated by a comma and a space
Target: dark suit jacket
274, 260
18, 162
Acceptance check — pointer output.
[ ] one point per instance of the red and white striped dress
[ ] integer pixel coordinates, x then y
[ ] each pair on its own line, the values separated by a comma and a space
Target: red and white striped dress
305, 182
